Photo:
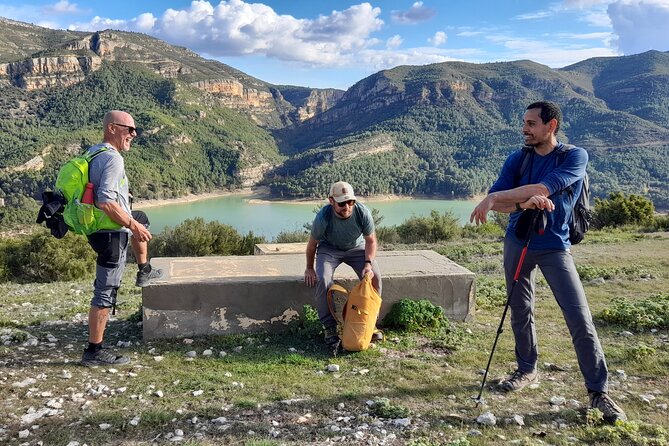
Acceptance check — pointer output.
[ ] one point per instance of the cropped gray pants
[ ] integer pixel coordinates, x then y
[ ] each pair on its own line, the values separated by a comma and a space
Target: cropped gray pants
560, 272
328, 258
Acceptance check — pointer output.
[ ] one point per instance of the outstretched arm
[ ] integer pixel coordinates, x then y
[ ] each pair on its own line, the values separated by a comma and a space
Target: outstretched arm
529, 196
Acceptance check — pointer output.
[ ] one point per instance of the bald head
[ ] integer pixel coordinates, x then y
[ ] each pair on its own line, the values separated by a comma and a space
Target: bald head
119, 129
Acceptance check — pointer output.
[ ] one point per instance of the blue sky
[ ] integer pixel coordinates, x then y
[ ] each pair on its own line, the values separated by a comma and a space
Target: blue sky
336, 43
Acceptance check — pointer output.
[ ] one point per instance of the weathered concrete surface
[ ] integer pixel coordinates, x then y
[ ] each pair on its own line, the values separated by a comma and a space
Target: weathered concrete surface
279, 248
236, 294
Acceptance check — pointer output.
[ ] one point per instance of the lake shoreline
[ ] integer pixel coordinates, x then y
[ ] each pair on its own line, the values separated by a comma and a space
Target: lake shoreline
260, 195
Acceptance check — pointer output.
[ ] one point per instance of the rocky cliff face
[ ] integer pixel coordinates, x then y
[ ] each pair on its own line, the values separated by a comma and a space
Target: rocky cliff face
70, 62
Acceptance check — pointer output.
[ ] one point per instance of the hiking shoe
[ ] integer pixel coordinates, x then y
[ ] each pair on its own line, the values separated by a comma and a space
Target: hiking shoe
377, 336
144, 278
518, 380
331, 336
610, 410
102, 357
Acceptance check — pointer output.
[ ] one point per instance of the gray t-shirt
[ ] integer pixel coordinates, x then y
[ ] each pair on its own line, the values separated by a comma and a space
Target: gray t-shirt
343, 234
107, 173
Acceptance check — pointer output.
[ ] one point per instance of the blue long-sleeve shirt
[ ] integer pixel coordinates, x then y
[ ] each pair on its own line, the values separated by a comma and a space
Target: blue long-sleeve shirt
557, 171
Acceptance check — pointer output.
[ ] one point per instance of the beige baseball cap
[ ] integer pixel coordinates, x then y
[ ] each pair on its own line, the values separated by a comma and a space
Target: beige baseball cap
342, 191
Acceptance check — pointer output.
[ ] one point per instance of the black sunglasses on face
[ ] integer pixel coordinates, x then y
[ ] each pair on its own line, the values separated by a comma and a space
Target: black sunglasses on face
130, 128
344, 203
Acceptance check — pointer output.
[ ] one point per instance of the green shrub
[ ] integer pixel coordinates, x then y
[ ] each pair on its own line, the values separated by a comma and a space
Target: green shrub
384, 409
639, 314
488, 229
308, 325
620, 209
640, 352
414, 315
624, 432
196, 238
292, 237
490, 293
387, 234
42, 258
437, 227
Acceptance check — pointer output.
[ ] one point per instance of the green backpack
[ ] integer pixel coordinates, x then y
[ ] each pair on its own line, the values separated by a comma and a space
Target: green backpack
71, 182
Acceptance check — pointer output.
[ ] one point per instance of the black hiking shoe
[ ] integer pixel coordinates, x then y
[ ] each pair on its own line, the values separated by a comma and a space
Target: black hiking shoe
609, 409
518, 380
102, 357
143, 278
331, 337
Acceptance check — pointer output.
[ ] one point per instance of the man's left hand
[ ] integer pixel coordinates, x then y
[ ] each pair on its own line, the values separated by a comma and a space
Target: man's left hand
368, 270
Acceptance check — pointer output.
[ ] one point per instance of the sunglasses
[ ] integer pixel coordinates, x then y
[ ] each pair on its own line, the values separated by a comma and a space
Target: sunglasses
130, 128
344, 203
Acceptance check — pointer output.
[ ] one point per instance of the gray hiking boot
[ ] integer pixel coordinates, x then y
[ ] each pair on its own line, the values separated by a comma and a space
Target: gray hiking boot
144, 278
102, 357
331, 336
609, 409
518, 380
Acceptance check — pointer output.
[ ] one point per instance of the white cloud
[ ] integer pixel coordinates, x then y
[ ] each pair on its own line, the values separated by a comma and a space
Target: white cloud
416, 14
236, 28
597, 18
438, 39
62, 7
394, 42
551, 54
640, 25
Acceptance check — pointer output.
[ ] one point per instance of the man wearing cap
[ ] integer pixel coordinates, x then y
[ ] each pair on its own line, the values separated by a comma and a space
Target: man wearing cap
342, 232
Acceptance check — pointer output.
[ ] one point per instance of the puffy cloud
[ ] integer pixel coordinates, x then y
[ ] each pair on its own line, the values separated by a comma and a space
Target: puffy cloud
236, 28
62, 7
416, 14
394, 42
640, 25
439, 38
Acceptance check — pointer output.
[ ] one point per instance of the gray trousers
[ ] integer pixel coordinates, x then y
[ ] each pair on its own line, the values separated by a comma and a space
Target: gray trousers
328, 258
560, 272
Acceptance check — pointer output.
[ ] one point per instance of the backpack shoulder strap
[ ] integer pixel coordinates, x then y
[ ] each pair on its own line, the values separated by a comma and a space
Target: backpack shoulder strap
335, 288
527, 154
562, 151
90, 155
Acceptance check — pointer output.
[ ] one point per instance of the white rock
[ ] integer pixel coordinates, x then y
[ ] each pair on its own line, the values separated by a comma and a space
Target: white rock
104, 426
402, 422
159, 393
474, 433
487, 419
135, 421
332, 368
363, 371
207, 352
558, 400
188, 341
198, 392
158, 358
178, 432
621, 374
662, 406
219, 420
112, 371
292, 349
517, 420
24, 433
73, 443
626, 334
222, 354
152, 351
25, 383
341, 406
237, 349
66, 374
55, 404
191, 354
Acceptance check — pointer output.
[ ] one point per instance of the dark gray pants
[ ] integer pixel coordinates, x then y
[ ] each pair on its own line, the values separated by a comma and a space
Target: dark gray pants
559, 270
328, 258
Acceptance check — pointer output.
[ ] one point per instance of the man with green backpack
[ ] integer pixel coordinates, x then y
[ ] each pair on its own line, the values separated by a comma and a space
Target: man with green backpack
106, 171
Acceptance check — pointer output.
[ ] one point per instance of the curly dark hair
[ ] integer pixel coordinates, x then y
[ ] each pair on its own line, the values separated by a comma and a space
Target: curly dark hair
549, 110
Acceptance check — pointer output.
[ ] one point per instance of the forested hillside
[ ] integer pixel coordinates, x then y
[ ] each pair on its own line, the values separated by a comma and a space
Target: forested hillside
452, 125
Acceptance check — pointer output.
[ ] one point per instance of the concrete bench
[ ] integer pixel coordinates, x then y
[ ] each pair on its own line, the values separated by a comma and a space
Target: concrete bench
238, 294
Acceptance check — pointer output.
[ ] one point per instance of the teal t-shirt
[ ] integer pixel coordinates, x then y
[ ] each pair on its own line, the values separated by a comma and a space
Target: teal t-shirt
343, 234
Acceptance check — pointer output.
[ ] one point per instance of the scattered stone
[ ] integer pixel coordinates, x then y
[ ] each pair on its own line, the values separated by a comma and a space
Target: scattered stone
621, 374
238, 349
222, 354
105, 426
625, 334
66, 375
558, 401
646, 398
191, 354
518, 420
188, 341
207, 352
474, 433
198, 392
332, 367
292, 350
341, 406
24, 433
487, 419
219, 420
25, 383
402, 422
159, 393
662, 406
124, 344
135, 421
158, 358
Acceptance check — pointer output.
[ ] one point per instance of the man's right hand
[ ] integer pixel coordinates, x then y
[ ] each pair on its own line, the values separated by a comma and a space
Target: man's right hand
310, 277
139, 231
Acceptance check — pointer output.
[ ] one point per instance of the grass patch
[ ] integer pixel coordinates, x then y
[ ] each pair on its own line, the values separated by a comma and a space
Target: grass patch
639, 314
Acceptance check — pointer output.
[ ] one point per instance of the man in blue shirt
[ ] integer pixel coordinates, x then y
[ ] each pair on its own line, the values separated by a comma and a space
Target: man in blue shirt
342, 232
543, 185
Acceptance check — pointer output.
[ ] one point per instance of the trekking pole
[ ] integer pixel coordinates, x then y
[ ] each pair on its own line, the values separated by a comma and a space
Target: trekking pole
500, 329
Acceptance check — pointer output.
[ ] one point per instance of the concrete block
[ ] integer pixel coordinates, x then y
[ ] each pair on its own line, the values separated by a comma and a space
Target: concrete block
238, 294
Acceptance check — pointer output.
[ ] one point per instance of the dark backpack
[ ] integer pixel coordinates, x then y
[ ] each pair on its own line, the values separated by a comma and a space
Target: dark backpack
581, 214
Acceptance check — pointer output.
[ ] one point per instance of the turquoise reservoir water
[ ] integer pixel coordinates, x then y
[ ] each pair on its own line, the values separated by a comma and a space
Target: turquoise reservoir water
270, 218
